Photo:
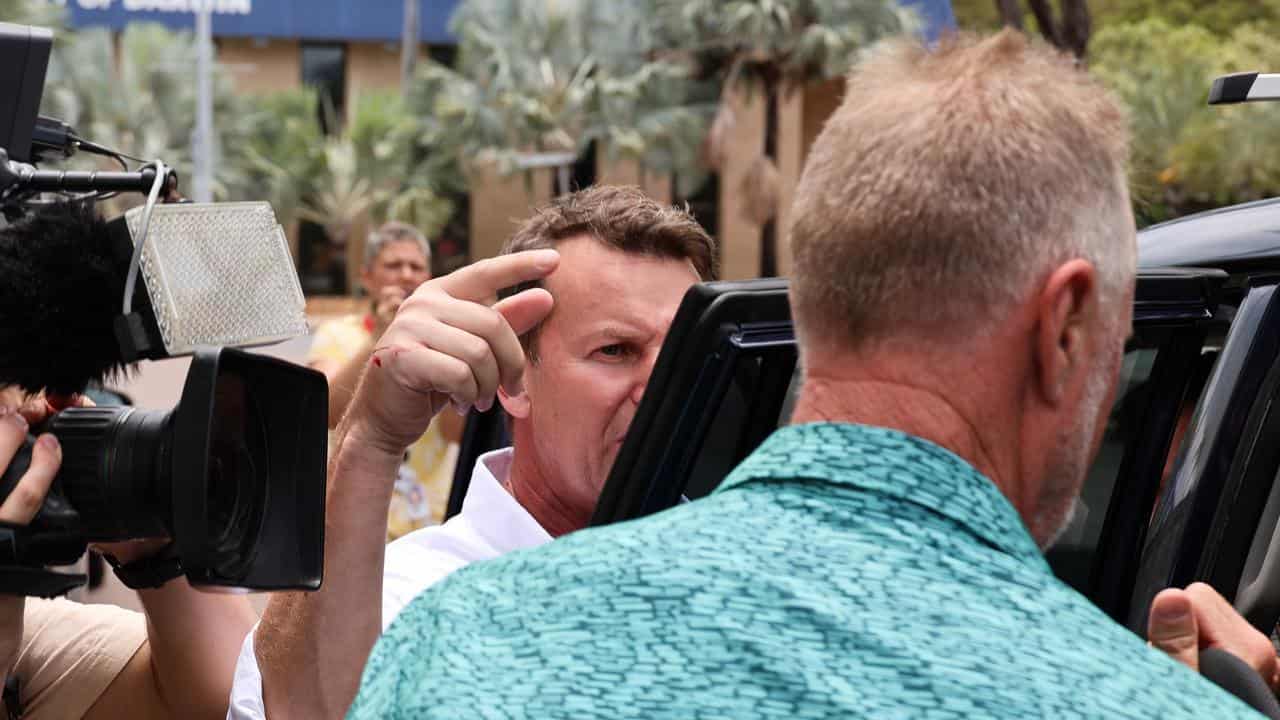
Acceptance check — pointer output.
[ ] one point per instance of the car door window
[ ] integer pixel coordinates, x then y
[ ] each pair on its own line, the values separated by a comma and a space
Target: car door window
1073, 555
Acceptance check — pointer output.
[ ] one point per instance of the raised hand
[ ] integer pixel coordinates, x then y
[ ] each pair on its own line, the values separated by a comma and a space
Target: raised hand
451, 341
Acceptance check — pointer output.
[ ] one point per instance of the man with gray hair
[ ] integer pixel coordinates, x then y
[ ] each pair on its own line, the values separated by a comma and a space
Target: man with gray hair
965, 260
397, 259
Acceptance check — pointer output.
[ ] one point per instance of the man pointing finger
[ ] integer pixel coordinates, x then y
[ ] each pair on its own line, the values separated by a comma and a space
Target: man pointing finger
602, 271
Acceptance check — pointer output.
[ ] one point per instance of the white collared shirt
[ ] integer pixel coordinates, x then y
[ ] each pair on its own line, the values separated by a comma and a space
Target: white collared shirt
491, 523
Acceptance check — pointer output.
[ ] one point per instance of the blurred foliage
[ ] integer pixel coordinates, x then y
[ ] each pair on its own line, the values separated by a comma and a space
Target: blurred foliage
136, 95
370, 169
1220, 17
27, 12
554, 77
1188, 156
1160, 57
777, 41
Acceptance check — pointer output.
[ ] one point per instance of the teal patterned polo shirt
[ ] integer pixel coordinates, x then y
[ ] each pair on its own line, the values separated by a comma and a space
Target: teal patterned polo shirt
840, 571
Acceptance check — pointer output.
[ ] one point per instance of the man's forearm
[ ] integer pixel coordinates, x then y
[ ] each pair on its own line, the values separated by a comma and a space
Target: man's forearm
195, 638
343, 381
311, 647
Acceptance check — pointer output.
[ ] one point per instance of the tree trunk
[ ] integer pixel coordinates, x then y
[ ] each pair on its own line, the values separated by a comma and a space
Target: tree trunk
1010, 12
769, 233
1077, 26
1069, 32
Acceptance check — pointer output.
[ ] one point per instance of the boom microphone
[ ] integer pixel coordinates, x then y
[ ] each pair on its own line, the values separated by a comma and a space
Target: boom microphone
59, 297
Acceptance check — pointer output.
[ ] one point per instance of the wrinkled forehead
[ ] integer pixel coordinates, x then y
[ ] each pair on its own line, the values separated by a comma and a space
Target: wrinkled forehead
596, 283
397, 250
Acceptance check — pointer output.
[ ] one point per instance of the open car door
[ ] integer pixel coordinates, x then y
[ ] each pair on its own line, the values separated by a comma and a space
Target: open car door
725, 378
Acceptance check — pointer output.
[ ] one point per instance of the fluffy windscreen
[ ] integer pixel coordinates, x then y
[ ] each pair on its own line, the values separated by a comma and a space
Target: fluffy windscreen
60, 290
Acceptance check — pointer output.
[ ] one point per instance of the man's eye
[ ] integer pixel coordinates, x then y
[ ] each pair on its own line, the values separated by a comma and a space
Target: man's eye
613, 351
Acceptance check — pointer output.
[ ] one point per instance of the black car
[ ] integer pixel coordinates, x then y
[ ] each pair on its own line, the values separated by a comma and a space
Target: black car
1184, 487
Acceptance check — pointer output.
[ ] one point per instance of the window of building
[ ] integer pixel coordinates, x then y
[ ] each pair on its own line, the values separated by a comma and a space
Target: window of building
324, 67
322, 260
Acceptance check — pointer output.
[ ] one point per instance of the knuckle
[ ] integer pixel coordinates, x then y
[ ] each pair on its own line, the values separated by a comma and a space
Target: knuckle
459, 375
492, 323
25, 498
475, 351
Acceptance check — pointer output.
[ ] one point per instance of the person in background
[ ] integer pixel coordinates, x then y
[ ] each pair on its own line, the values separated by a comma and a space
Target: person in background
69, 660
397, 259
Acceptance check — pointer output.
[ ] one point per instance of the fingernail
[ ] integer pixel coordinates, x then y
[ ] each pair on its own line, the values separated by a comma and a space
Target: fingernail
49, 442
484, 405
1172, 613
548, 259
4, 410
16, 419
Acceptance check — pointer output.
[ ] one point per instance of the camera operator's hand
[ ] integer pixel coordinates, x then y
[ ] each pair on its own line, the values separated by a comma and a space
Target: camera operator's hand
22, 504
26, 497
451, 341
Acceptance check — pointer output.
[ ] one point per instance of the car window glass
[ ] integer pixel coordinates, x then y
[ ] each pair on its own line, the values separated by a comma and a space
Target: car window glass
1072, 556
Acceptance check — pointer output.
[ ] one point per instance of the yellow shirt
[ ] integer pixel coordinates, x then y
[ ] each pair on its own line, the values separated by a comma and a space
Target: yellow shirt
423, 482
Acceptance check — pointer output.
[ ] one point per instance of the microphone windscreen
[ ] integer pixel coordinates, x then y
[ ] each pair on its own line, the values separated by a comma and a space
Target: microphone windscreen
1236, 677
60, 288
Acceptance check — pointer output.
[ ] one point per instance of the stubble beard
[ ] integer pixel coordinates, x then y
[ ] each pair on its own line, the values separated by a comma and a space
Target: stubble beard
1060, 498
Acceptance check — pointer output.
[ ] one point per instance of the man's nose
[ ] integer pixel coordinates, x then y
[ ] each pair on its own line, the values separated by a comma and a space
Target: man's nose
643, 370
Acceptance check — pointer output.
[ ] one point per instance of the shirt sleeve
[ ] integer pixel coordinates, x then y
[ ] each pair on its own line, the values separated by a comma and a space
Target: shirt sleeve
246, 686
414, 563
71, 652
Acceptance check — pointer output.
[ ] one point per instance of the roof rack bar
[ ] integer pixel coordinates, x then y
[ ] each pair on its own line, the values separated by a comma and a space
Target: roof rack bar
1245, 87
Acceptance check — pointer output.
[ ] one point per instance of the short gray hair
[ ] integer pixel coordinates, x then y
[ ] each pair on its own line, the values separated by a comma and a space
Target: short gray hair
949, 182
392, 232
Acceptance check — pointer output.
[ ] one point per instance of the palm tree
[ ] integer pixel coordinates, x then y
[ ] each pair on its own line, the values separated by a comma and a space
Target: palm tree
140, 100
26, 12
553, 77
771, 46
373, 170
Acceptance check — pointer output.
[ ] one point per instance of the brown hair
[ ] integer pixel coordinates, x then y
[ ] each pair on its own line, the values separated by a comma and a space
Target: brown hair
955, 178
619, 217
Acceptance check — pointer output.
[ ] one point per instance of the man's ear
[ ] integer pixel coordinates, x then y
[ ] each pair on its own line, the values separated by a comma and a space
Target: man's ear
1064, 310
518, 405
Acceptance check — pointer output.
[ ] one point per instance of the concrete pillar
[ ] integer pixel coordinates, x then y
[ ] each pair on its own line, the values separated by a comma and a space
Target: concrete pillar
739, 237
259, 65
629, 172
790, 159
371, 67
499, 204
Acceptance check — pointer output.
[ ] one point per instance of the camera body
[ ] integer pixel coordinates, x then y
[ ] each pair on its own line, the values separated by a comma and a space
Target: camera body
234, 475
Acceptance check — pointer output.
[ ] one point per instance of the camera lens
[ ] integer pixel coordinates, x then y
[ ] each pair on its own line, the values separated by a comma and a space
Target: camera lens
238, 476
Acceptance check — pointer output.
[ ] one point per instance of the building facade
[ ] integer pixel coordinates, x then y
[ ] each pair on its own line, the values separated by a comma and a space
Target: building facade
349, 48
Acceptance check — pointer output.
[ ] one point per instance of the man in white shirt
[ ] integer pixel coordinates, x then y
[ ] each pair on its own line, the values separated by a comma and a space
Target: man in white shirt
615, 264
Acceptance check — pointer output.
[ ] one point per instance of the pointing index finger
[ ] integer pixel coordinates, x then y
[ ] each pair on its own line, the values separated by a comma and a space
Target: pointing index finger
480, 281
